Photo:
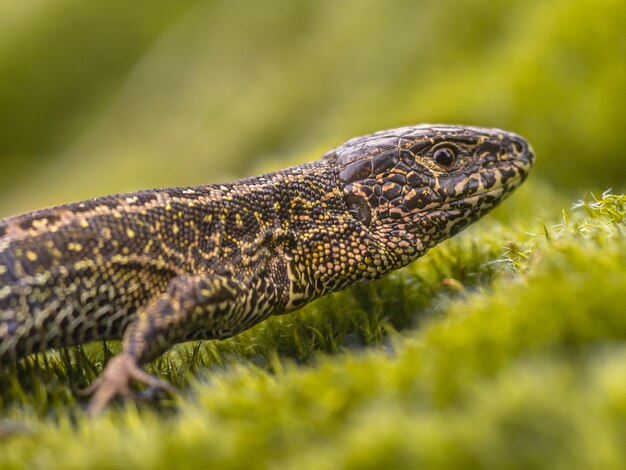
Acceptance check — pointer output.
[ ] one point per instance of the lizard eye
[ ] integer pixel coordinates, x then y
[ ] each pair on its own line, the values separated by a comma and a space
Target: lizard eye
445, 156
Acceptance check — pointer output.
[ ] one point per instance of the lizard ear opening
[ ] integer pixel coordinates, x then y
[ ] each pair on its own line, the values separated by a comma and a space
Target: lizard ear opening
358, 208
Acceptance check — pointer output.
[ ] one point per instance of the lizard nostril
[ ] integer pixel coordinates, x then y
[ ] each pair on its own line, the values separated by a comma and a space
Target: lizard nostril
519, 146
521, 151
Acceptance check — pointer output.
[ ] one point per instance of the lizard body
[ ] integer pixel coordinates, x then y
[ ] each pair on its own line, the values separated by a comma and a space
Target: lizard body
169, 265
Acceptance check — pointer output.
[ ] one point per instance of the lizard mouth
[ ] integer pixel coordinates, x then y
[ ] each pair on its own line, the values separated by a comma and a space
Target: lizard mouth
473, 199
453, 216
500, 192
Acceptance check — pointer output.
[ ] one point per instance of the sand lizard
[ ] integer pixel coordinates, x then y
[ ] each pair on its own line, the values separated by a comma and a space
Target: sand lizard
162, 266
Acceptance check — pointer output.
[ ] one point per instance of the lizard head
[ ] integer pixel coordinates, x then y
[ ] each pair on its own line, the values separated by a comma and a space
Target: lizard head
413, 187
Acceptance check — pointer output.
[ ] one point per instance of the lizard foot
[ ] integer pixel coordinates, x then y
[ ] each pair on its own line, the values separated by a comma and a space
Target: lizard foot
115, 381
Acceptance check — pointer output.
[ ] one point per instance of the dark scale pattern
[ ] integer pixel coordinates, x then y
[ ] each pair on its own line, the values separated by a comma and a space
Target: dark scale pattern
168, 265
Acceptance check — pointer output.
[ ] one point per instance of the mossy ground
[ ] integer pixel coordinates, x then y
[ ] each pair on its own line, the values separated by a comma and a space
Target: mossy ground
466, 358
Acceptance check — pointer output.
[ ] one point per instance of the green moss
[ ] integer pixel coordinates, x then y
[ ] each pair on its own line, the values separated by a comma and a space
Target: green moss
479, 355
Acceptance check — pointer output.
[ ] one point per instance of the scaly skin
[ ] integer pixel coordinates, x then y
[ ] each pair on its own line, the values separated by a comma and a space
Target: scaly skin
169, 265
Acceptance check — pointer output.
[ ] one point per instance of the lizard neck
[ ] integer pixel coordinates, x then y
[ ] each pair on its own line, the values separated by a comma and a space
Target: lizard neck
325, 249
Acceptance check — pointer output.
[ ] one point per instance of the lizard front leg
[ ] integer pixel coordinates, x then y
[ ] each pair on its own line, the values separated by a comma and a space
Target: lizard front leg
193, 307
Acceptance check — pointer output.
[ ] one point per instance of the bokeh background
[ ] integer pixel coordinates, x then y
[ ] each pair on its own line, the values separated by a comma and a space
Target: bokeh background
111, 96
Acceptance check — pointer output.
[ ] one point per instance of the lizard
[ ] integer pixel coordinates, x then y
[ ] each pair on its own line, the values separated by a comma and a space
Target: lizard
158, 267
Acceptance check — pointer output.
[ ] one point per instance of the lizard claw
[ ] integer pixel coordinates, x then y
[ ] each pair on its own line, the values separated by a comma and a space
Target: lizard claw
115, 381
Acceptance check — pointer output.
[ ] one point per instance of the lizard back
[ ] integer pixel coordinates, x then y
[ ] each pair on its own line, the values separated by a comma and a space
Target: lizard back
80, 272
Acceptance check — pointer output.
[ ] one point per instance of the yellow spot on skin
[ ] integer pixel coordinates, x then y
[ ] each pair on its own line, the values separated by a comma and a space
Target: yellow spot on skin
83, 264
4, 292
74, 246
84, 223
175, 229
3, 269
31, 255
130, 233
39, 224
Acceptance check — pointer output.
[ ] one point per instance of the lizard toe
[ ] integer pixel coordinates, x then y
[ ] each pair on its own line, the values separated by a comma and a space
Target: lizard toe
115, 382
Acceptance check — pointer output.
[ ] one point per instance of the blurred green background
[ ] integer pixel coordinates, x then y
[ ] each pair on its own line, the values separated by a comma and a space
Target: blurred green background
109, 96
